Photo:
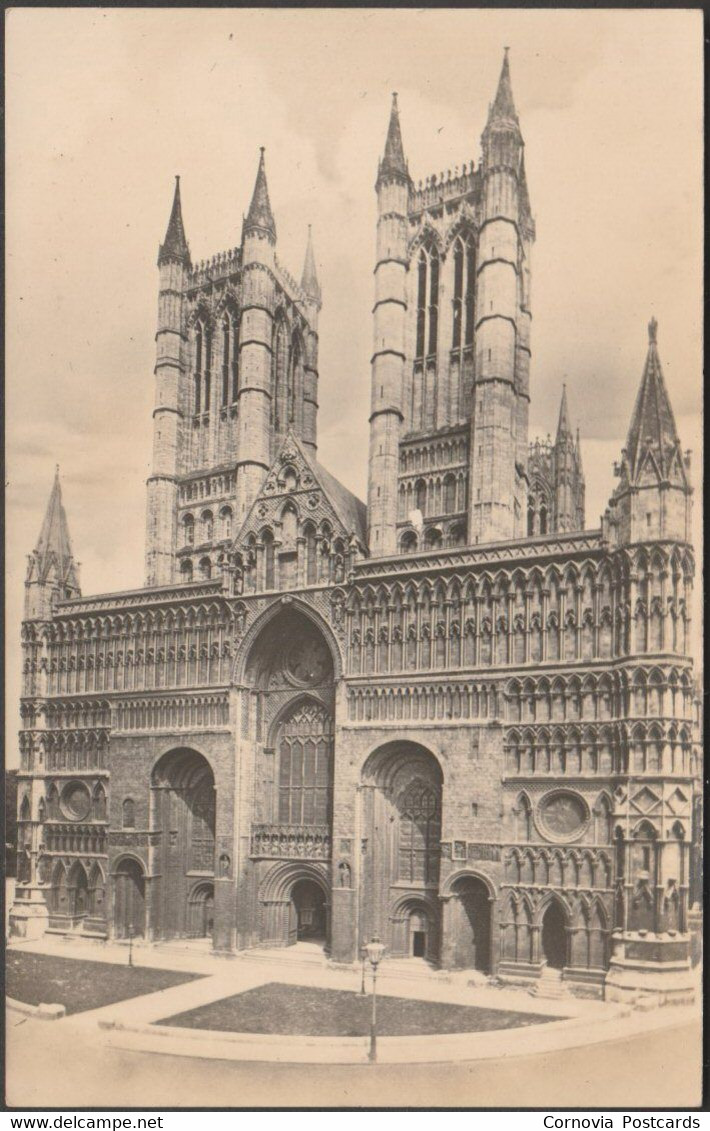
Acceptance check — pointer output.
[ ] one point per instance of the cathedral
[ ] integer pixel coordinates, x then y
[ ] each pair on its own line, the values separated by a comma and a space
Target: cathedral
452, 717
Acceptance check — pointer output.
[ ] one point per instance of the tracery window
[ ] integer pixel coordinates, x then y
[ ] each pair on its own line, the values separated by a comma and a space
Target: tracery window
419, 834
427, 302
305, 766
464, 291
202, 805
230, 357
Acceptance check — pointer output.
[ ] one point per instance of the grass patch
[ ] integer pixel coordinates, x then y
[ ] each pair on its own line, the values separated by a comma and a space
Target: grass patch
80, 985
309, 1011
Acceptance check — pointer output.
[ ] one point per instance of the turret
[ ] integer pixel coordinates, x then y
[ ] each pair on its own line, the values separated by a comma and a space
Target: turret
52, 574
653, 497
255, 338
170, 361
499, 441
389, 351
312, 292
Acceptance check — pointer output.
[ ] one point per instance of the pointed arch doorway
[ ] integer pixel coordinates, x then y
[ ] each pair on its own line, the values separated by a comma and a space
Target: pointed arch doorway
554, 936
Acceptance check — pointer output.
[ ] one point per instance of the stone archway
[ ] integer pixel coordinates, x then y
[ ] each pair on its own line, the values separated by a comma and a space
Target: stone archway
128, 899
183, 805
401, 821
290, 670
295, 902
554, 941
470, 924
201, 911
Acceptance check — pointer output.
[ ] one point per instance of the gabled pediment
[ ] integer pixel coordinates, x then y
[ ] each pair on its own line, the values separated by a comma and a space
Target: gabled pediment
298, 495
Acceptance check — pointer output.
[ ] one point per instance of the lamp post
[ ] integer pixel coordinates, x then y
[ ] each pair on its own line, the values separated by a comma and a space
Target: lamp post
363, 956
375, 950
130, 945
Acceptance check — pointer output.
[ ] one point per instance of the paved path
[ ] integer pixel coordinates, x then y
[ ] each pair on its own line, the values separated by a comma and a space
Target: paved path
660, 1069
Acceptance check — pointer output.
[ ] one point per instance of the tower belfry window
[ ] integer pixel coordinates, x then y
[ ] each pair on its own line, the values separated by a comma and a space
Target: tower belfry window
421, 304
208, 368
464, 291
433, 302
198, 367
226, 346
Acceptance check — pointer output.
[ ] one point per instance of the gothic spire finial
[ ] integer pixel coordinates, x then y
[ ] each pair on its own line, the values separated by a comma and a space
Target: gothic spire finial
563, 425
54, 544
174, 246
503, 106
394, 161
309, 280
260, 217
652, 422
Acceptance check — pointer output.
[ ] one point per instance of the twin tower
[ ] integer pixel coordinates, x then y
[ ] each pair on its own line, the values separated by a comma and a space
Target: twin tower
237, 361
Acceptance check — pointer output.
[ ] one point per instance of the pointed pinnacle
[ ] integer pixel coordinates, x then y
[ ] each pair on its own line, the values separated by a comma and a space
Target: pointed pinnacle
174, 245
260, 215
503, 104
563, 425
309, 279
394, 160
652, 421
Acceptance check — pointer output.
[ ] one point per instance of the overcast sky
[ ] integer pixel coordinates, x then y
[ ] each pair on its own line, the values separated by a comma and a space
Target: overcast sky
104, 107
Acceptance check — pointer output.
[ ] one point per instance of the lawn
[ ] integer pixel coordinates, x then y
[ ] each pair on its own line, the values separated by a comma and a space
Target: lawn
79, 985
309, 1011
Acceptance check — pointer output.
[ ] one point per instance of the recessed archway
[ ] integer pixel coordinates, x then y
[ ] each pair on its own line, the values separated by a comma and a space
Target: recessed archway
470, 924
554, 939
401, 821
183, 816
129, 899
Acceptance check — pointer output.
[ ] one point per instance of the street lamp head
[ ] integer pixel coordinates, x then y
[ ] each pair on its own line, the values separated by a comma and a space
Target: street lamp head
375, 951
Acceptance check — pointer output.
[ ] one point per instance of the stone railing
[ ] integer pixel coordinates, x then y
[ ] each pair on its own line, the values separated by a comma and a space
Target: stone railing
300, 842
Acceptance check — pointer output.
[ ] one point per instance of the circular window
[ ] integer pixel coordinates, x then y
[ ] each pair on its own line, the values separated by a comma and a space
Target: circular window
76, 801
563, 815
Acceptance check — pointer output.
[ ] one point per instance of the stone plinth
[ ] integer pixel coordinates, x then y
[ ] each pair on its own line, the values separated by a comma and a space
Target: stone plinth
648, 969
29, 917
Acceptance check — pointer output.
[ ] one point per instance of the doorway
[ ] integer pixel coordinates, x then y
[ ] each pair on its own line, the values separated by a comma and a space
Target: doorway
129, 900
472, 925
308, 919
554, 936
418, 934
201, 912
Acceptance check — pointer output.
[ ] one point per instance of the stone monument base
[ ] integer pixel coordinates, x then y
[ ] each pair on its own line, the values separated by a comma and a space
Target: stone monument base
29, 917
648, 970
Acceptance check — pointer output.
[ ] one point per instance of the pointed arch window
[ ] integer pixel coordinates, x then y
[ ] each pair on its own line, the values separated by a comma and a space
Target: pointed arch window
433, 301
199, 336
305, 766
421, 303
230, 357
279, 383
294, 384
208, 368
464, 291
269, 570
128, 813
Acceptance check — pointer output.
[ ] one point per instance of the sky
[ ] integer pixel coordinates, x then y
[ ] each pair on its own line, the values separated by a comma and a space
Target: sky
105, 107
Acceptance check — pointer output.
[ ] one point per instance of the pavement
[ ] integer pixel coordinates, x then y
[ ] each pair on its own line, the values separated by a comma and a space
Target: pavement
129, 1027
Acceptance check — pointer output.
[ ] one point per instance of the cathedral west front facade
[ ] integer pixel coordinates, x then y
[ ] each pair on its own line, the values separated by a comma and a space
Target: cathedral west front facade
452, 717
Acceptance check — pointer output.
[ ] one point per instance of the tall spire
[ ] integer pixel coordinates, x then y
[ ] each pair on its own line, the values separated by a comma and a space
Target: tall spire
260, 217
564, 430
309, 279
394, 161
503, 105
174, 245
652, 427
53, 549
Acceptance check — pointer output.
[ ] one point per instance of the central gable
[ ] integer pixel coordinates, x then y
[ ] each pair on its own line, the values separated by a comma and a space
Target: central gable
301, 519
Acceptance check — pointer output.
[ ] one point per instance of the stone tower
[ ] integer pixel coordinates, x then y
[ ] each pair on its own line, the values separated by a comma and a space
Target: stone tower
499, 432
236, 370
451, 356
